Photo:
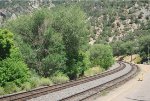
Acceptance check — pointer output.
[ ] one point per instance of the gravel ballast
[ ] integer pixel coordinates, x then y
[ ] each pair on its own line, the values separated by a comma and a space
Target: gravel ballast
55, 96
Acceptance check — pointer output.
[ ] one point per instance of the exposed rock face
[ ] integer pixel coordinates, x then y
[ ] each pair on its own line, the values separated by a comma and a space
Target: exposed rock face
13, 8
2, 18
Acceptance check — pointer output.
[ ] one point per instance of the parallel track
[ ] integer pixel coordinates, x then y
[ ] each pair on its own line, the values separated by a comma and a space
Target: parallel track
87, 95
49, 89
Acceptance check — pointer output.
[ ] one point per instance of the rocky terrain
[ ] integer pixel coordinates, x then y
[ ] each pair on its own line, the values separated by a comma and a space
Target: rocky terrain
109, 25
10, 9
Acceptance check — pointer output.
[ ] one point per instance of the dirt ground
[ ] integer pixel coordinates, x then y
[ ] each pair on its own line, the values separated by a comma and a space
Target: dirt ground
133, 90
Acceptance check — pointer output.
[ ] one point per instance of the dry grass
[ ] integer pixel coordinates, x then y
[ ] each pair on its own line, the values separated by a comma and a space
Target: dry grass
135, 58
93, 71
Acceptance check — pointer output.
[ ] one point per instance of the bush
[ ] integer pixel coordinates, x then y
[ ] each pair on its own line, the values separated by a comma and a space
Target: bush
26, 86
12, 67
6, 43
11, 87
93, 71
2, 92
35, 81
59, 78
45, 82
101, 55
12, 70
138, 60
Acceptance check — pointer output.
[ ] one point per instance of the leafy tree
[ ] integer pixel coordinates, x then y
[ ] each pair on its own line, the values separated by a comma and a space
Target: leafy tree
12, 66
71, 23
41, 46
117, 48
144, 43
101, 55
6, 42
128, 48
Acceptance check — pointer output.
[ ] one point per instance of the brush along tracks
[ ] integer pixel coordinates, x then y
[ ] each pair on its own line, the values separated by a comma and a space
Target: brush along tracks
91, 93
22, 96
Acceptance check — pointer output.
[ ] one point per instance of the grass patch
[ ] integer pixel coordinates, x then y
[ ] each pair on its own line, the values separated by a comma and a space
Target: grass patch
59, 78
2, 92
11, 87
93, 71
45, 82
103, 93
26, 86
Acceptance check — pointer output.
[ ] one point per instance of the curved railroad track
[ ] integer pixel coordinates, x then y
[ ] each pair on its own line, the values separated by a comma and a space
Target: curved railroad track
22, 96
89, 94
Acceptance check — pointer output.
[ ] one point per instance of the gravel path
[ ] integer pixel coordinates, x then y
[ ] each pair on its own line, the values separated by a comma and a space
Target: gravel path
79, 88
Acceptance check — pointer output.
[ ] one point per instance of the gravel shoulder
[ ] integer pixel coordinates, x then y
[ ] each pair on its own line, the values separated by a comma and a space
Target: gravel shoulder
133, 90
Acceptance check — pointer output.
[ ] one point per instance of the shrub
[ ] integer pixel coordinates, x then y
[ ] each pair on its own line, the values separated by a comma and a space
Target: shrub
12, 67
138, 60
140, 15
45, 82
13, 71
101, 55
2, 92
11, 87
34, 81
59, 78
93, 71
6, 43
26, 86
122, 17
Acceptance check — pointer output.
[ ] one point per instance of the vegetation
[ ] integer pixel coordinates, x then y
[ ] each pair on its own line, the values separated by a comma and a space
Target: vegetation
101, 55
13, 70
93, 71
53, 44
75, 38
41, 46
59, 78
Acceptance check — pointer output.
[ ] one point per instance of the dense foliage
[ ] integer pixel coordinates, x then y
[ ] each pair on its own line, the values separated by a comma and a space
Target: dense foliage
41, 46
54, 45
101, 55
75, 37
133, 43
12, 67
6, 42
54, 40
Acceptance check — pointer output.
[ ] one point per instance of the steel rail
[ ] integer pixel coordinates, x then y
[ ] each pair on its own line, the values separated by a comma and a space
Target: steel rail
22, 96
89, 93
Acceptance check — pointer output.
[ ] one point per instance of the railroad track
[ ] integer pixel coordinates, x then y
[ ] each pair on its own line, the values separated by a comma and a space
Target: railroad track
22, 96
90, 94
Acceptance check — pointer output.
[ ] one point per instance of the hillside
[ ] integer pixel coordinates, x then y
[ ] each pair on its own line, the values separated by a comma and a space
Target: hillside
112, 22
11, 9
124, 24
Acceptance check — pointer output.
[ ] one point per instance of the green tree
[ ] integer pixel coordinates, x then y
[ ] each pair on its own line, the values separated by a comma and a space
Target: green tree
71, 23
101, 55
42, 47
6, 42
128, 48
12, 66
144, 43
